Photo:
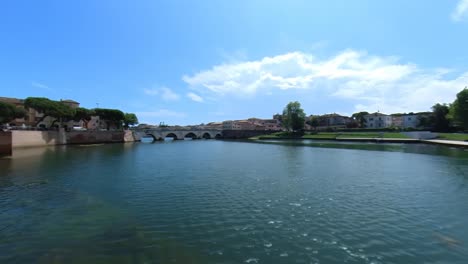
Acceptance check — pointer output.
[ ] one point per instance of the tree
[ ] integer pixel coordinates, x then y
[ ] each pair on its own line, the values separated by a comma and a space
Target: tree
111, 116
359, 117
293, 117
313, 122
9, 112
130, 119
83, 114
441, 123
48, 107
426, 121
460, 108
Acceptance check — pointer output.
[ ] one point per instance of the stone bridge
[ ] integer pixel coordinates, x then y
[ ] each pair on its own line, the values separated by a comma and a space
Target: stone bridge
177, 133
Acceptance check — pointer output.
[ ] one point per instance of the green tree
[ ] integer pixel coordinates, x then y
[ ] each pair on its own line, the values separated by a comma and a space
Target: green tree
111, 116
313, 122
83, 114
293, 117
440, 120
130, 119
460, 108
55, 109
426, 121
9, 112
359, 117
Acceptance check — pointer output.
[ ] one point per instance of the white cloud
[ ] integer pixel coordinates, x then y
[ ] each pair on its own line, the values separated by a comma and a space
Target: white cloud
195, 97
165, 93
40, 85
371, 82
161, 113
460, 11
151, 91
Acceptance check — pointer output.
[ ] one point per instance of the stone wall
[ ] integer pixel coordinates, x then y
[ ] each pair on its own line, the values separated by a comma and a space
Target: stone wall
240, 134
93, 137
5, 143
24, 138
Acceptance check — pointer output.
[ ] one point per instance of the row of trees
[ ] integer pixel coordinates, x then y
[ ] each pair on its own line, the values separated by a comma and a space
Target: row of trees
10, 112
62, 112
449, 117
444, 117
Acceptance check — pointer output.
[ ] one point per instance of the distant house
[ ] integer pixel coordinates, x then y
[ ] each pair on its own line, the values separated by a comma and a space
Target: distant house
214, 125
378, 120
252, 124
266, 124
330, 121
408, 120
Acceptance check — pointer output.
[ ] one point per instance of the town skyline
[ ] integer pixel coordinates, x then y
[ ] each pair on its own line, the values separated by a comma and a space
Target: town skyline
191, 63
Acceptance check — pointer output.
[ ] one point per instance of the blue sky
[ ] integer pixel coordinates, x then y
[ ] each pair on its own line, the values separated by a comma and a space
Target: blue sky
188, 62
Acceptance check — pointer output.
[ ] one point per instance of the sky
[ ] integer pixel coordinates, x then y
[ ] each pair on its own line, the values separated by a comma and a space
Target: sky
191, 62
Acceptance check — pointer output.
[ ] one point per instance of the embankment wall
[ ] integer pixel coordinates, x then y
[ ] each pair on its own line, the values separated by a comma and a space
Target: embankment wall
5, 143
23, 138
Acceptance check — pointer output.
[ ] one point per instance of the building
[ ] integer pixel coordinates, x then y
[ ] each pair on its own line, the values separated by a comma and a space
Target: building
252, 124
266, 124
238, 125
378, 120
397, 120
410, 121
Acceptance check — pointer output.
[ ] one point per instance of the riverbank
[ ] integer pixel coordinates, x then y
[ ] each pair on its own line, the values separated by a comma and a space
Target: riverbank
374, 137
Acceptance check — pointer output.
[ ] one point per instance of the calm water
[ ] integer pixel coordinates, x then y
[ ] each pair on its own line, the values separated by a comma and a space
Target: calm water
235, 202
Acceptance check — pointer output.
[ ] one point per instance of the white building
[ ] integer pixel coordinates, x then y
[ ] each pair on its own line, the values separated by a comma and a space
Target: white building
410, 121
378, 120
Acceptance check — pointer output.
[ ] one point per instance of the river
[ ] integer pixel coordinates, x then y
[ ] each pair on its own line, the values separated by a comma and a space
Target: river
209, 201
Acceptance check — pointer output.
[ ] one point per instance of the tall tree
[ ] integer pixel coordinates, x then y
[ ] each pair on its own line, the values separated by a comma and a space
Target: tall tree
293, 117
9, 112
359, 117
111, 116
83, 114
130, 119
460, 108
313, 122
441, 123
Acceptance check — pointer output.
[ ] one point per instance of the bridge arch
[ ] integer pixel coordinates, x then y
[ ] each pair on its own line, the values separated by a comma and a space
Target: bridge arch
218, 136
150, 136
206, 135
191, 135
171, 135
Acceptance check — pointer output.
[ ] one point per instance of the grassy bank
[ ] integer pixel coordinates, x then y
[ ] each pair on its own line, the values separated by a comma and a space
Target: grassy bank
333, 135
453, 136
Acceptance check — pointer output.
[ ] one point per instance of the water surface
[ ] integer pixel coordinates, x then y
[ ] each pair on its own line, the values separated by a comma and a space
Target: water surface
235, 202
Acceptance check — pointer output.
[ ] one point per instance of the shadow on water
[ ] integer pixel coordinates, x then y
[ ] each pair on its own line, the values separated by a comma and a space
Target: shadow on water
390, 147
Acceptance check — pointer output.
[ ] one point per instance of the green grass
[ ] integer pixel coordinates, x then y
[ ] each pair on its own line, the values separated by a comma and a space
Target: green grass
333, 135
452, 136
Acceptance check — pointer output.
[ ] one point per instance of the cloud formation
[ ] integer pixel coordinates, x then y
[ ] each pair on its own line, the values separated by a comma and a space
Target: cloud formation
195, 97
165, 93
370, 82
40, 85
461, 11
